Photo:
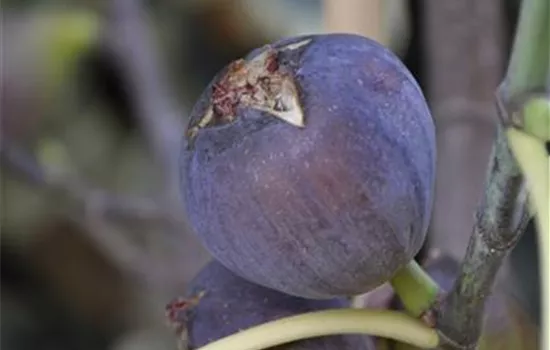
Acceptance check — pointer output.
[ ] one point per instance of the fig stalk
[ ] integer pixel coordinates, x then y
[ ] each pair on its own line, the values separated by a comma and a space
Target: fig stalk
416, 289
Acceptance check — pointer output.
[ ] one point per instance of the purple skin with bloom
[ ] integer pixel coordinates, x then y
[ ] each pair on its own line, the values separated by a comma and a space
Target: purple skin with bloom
229, 304
308, 167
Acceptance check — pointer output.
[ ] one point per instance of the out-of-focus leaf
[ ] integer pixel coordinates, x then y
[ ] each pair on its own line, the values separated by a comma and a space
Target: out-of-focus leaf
54, 157
46, 43
69, 35
40, 49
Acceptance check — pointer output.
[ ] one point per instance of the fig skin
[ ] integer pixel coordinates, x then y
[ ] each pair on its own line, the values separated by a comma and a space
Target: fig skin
230, 304
330, 209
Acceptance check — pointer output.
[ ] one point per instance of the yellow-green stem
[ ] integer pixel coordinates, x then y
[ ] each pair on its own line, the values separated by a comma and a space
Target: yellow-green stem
536, 117
530, 64
529, 72
534, 162
416, 289
382, 323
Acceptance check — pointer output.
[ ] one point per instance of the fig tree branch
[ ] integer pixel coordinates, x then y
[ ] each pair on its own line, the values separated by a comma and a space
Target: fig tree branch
500, 220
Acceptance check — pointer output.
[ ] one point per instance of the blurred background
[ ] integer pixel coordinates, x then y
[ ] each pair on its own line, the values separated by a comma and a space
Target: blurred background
95, 96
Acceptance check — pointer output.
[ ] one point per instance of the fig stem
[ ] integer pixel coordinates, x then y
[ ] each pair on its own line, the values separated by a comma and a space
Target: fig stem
416, 289
534, 162
382, 323
536, 117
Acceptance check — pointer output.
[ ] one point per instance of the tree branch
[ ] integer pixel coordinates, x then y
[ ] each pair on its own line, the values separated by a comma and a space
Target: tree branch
500, 221
463, 85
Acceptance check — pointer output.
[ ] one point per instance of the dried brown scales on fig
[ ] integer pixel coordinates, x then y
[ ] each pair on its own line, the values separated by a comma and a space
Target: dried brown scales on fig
178, 307
260, 83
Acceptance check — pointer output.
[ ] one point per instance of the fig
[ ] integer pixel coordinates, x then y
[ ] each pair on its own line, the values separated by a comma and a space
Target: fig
223, 303
308, 166
507, 325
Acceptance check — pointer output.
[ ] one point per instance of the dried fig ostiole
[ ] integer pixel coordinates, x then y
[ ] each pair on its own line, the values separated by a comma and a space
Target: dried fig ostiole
176, 317
178, 307
260, 83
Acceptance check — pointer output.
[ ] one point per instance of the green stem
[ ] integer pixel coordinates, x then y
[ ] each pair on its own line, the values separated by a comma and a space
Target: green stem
529, 66
536, 117
528, 73
535, 165
382, 323
416, 289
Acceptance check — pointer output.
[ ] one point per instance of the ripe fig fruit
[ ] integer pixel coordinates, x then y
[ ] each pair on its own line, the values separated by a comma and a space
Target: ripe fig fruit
227, 304
506, 326
308, 166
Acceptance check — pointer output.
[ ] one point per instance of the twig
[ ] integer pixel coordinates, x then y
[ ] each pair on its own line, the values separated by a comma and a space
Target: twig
109, 206
501, 219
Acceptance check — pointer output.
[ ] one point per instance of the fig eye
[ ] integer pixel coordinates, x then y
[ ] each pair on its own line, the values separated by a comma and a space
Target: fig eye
260, 83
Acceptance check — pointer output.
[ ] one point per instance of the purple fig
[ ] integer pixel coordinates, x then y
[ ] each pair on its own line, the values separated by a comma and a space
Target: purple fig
223, 303
308, 166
